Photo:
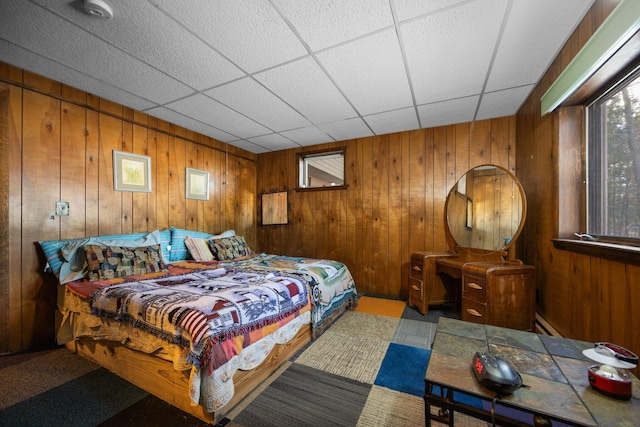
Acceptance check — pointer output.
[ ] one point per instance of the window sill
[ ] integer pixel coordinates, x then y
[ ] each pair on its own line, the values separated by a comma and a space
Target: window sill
326, 187
620, 253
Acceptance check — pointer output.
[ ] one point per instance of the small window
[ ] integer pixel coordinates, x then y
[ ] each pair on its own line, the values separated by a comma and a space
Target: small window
321, 169
613, 162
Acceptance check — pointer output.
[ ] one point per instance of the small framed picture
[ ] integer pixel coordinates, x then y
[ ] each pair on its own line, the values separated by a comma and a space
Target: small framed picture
131, 172
197, 184
469, 221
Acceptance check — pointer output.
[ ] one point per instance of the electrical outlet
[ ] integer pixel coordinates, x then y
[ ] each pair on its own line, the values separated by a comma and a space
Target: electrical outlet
62, 208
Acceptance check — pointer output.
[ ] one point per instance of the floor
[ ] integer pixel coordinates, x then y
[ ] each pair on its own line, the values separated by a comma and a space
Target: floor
376, 324
41, 388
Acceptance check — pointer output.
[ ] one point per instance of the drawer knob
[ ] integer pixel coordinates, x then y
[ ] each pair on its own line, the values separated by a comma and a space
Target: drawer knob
474, 285
417, 268
473, 312
415, 288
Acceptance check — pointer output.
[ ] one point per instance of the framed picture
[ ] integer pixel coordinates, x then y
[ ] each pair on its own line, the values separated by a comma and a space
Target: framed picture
274, 208
469, 222
461, 186
197, 184
131, 172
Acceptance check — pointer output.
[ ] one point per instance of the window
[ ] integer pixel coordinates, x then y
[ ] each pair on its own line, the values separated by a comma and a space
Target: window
321, 169
613, 162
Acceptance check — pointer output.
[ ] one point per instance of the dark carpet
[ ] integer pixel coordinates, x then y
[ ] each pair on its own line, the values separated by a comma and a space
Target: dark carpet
336, 401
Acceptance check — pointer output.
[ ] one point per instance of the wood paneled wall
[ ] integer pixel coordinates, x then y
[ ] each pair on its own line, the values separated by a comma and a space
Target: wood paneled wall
584, 297
57, 145
394, 202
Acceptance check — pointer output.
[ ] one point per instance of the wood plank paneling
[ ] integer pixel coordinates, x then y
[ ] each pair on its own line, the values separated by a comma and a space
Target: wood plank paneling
396, 214
393, 204
40, 171
127, 197
176, 185
59, 144
161, 183
109, 201
73, 169
6, 135
140, 207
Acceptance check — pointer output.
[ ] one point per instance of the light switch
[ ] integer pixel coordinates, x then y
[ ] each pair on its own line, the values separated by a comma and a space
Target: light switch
62, 208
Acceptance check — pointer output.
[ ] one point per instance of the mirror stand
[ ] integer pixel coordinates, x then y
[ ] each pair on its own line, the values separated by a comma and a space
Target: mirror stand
485, 213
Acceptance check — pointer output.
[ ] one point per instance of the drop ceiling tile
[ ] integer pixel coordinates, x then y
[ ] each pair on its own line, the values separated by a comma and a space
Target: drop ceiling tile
23, 24
250, 146
534, 34
303, 85
448, 112
45, 67
189, 123
502, 103
251, 99
250, 33
322, 24
448, 53
408, 9
273, 142
148, 34
370, 72
307, 136
393, 121
346, 129
207, 110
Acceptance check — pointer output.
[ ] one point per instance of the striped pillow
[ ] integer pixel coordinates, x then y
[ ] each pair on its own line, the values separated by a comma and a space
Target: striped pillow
198, 248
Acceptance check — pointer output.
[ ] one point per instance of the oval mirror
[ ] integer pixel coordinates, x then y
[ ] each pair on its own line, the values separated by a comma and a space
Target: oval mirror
486, 209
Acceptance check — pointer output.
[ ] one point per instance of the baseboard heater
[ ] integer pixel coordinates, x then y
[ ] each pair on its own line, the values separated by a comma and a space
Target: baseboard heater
544, 328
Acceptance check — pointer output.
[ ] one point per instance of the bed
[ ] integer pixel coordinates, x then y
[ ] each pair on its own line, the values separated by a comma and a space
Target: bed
196, 319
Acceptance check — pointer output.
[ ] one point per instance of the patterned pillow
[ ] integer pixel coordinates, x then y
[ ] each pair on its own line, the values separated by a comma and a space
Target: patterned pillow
229, 248
107, 262
179, 251
198, 248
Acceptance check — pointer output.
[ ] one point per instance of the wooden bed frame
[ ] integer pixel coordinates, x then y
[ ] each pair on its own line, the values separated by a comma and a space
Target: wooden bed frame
159, 377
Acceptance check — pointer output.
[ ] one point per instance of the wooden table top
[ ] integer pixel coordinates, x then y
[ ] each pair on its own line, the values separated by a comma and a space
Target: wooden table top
554, 369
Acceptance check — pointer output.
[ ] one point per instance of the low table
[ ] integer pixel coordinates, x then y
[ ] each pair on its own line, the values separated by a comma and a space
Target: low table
554, 369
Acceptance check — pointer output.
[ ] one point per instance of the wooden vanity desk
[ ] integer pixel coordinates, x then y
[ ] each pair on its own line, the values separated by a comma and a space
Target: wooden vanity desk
498, 293
488, 287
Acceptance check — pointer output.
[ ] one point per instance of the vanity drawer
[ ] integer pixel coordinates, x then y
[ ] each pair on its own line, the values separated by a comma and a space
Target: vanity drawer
474, 311
416, 291
417, 270
474, 288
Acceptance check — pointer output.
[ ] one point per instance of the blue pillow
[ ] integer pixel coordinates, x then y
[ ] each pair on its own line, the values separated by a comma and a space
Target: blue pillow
53, 254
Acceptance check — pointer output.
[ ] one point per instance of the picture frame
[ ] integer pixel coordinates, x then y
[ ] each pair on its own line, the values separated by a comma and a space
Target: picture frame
469, 215
275, 208
461, 186
197, 182
131, 172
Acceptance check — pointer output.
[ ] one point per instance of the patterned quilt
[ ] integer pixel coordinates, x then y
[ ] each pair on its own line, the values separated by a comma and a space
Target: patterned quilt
198, 305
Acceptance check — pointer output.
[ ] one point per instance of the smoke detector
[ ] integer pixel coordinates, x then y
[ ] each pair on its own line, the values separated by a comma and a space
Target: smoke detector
98, 8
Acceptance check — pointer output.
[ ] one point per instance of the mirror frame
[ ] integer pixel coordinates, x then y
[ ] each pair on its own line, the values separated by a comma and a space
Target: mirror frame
452, 192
